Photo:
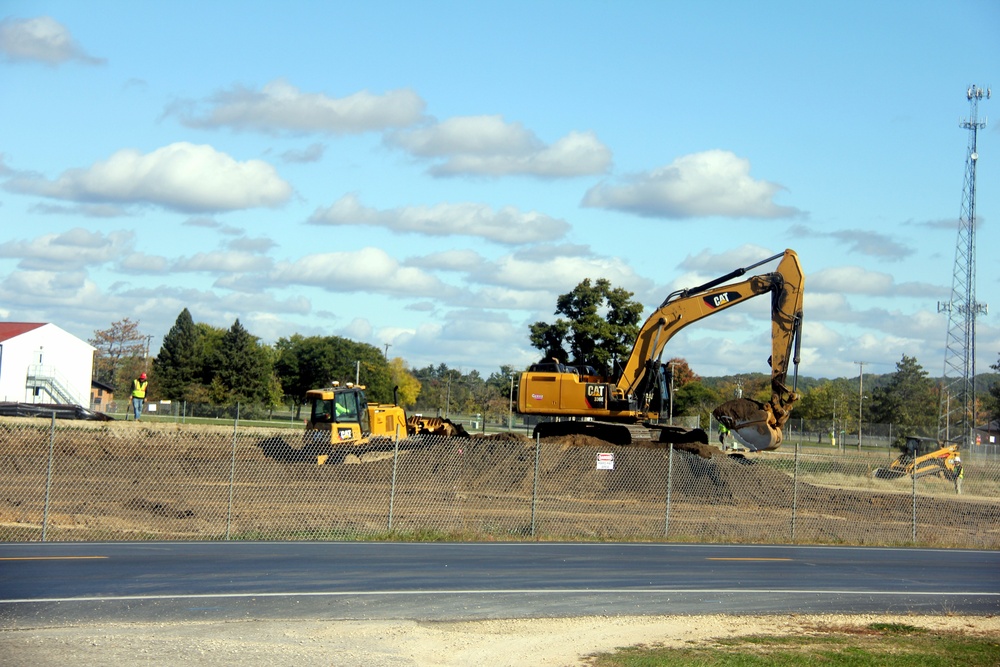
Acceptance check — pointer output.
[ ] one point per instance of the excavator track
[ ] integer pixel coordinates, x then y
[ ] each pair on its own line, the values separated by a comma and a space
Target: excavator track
642, 435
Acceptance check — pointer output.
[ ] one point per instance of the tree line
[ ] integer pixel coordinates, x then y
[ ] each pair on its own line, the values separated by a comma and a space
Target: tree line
202, 364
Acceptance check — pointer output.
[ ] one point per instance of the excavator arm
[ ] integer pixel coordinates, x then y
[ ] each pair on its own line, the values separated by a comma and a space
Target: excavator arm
757, 425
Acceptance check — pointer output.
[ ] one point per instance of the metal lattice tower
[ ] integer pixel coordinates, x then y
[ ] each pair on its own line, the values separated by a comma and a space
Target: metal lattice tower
957, 416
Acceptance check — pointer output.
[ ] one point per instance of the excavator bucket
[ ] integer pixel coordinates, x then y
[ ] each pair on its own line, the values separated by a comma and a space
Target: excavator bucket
751, 422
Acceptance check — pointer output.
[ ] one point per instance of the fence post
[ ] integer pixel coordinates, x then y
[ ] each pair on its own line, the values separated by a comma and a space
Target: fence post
48, 478
913, 524
392, 487
795, 490
232, 475
534, 486
670, 481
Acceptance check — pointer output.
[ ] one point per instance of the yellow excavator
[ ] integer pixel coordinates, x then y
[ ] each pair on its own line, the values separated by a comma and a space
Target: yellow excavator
922, 457
633, 408
342, 420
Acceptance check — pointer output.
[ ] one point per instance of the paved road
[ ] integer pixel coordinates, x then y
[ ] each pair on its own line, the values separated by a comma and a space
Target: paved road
70, 582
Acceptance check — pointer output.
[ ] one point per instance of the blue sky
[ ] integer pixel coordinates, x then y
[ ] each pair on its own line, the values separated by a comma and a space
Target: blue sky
431, 176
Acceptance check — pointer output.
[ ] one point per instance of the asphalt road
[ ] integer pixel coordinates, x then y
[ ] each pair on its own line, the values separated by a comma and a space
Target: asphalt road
54, 583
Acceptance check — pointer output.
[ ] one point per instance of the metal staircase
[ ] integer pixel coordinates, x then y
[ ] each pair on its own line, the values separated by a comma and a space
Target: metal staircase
48, 380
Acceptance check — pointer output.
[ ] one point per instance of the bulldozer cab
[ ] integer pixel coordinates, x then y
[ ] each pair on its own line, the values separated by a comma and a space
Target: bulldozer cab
343, 410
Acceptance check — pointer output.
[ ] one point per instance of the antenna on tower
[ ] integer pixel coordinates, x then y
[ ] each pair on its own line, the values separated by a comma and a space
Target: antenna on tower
957, 414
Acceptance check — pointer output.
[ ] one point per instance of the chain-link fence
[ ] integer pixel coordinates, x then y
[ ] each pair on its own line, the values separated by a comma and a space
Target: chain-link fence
66, 481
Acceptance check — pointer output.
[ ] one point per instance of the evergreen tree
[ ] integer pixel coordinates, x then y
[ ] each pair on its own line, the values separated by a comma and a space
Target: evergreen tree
176, 365
242, 369
908, 401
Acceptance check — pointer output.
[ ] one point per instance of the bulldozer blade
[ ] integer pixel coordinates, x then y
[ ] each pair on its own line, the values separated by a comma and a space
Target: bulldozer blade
752, 423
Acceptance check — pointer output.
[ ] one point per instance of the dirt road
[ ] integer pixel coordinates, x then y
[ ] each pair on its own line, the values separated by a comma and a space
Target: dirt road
496, 643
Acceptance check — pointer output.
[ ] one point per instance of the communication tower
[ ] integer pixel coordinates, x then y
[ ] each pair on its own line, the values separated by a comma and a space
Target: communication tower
957, 415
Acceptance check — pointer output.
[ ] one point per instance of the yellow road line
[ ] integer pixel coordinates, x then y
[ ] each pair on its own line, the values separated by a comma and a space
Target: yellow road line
54, 558
748, 559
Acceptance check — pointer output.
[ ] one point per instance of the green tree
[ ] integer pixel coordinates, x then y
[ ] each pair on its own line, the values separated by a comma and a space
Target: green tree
242, 370
177, 365
586, 337
694, 398
993, 398
908, 401
304, 363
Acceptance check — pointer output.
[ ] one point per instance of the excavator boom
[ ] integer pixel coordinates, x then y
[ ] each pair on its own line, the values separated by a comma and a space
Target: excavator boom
638, 394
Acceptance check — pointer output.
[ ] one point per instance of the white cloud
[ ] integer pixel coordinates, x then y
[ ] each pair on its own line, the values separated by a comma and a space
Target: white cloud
71, 250
41, 39
712, 183
180, 176
281, 107
489, 146
507, 225
369, 270
858, 280
223, 262
311, 153
559, 274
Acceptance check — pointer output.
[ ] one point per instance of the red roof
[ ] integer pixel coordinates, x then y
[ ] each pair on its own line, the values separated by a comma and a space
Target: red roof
10, 330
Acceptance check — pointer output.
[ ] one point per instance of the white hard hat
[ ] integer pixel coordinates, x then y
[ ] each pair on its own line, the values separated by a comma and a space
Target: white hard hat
958, 459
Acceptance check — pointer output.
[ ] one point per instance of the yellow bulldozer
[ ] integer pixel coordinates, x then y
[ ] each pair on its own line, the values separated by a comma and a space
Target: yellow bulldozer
922, 457
341, 420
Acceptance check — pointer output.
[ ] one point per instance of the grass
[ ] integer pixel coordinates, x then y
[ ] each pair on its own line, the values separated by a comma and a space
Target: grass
881, 644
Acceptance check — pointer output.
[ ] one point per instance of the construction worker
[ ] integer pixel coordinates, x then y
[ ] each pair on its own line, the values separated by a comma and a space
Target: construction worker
723, 432
959, 473
138, 395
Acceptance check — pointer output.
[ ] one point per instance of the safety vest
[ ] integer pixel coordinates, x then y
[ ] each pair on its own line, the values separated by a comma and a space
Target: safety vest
139, 388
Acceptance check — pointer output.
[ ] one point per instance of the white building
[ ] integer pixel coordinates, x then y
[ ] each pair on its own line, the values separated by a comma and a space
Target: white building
41, 363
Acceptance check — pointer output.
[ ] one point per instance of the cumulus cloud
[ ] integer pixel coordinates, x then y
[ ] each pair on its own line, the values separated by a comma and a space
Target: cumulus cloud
85, 210
507, 225
712, 183
490, 146
709, 264
281, 107
558, 274
223, 262
857, 280
311, 153
69, 251
257, 245
862, 241
41, 39
369, 270
181, 176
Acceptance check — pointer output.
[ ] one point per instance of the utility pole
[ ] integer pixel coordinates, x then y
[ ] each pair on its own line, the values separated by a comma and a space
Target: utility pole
962, 308
387, 346
672, 364
510, 409
861, 396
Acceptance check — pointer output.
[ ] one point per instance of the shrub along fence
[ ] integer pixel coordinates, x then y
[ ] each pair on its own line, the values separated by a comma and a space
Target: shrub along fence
69, 481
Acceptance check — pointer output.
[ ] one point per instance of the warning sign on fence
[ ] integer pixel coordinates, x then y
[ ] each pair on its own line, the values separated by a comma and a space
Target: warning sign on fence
605, 461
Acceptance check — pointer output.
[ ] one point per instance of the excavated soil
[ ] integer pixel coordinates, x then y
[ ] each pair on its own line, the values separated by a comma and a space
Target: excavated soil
174, 481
